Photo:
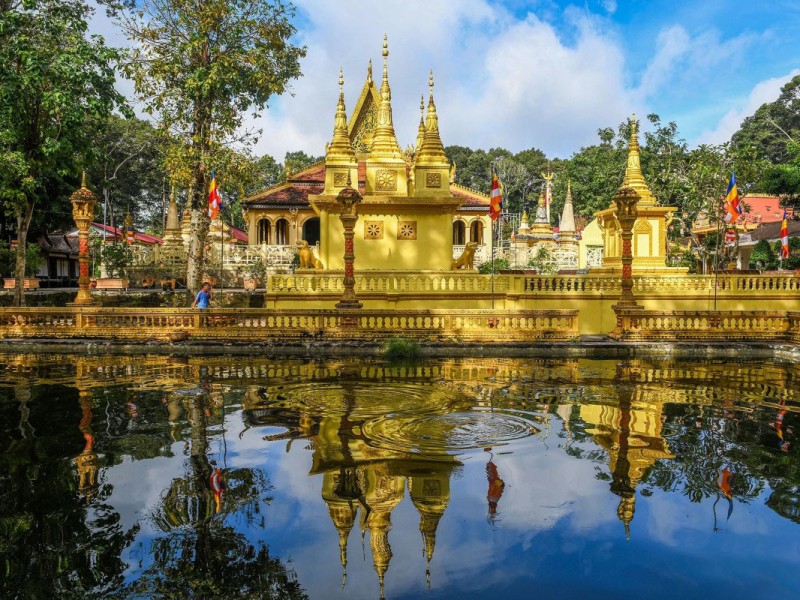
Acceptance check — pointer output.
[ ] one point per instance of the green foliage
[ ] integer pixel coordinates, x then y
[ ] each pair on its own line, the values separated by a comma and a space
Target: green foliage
543, 261
34, 259
116, 259
257, 270
499, 263
784, 179
201, 66
763, 257
6, 260
297, 161
54, 78
401, 349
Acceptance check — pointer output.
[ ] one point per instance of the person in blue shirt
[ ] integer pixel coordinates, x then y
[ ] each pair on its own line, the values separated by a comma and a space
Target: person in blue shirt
203, 297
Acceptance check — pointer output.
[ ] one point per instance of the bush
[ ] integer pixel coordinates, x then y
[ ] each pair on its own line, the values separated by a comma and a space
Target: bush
499, 263
401, 349
763, 258
33, 260
116, 259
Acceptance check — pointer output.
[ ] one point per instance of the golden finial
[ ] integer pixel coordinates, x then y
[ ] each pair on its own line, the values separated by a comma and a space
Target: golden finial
634, 178
369, 71
385, 51
341, 80
421, 106
349, 181
83, 179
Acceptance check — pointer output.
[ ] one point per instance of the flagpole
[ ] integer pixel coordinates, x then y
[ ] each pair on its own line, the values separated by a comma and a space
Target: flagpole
221, 251
491, 256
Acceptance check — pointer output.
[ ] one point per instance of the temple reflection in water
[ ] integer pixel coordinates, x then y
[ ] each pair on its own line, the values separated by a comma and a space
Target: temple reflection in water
429, 436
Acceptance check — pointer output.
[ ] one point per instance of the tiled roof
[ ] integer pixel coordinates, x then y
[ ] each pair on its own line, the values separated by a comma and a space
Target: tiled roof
238, 234
114, 232
311, 180
762, 209
59, 243
772, 231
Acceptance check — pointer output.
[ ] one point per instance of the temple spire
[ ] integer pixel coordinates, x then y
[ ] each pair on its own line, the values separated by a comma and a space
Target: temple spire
421, 128
432, 149
633, 170
340, 148
567, 223
384, 143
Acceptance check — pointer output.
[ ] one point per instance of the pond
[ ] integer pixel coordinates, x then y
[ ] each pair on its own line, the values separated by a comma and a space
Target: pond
171, 477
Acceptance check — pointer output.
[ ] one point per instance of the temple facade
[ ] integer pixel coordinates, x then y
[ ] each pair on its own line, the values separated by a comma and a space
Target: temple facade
412, 215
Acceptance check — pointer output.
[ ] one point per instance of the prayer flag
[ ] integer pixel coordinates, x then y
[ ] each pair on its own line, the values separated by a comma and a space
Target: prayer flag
785, 236
733, 209
214, 199
496, 198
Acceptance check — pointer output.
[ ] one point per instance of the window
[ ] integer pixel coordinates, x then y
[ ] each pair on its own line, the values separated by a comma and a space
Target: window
476, 232
282, 232
459, 237
264, 232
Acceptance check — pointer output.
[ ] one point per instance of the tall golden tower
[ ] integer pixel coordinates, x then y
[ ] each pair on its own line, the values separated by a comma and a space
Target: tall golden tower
431, 166
340, 159
649, 243
386, 167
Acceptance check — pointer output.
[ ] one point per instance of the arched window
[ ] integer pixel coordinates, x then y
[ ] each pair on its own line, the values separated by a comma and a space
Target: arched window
476, 232
282, 232
311, 231
264, 232
459, 234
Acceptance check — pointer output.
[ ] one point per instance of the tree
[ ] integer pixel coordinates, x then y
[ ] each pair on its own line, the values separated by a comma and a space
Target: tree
784, 179
773, 125
763, 257
200, 66
53, 78
129, 170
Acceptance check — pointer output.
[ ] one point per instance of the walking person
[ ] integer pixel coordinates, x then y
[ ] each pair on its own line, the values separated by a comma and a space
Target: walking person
203, 298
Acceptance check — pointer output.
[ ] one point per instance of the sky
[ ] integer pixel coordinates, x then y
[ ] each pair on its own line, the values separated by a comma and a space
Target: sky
540, 74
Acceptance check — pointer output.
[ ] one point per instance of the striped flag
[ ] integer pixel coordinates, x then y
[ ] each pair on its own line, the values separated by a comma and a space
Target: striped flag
733, 209
496, 198
214, 199
785, 236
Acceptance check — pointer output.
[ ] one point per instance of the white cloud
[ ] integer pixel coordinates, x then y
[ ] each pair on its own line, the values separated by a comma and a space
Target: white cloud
764, 91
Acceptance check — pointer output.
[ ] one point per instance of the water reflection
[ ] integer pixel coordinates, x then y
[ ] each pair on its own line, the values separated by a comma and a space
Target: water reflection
134, 477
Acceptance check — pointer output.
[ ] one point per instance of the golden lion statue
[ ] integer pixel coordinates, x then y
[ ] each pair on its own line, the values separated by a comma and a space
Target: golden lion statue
307, 258
467, 258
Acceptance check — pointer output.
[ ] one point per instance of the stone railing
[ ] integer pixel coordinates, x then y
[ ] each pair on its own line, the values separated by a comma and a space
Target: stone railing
436, 282
237, 258
704, 325
728, 284
794, 326
238, 325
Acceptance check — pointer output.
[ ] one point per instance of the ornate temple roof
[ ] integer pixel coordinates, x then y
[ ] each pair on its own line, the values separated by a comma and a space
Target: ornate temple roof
311, 180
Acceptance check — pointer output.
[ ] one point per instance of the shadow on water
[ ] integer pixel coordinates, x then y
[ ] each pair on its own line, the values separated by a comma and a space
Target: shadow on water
156, 477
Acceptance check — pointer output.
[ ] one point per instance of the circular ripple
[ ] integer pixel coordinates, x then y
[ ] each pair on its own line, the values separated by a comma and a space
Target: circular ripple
447, 433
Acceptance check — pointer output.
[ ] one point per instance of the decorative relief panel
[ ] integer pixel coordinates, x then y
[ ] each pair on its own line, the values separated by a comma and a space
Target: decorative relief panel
386, 180
373, 230
433, 180
340, 178
407, 230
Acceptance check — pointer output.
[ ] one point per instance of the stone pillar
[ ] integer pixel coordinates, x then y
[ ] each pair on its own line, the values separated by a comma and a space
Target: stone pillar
349, 199
83, 202
626, 200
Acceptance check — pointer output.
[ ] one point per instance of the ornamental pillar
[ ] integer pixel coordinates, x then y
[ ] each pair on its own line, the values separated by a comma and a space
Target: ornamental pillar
83, 202
348, 198
626, 201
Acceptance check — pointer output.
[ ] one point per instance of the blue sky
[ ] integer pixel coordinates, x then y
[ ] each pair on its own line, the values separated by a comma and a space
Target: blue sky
546, 74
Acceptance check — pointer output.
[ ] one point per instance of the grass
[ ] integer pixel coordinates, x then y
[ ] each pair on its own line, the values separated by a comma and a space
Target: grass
401, 349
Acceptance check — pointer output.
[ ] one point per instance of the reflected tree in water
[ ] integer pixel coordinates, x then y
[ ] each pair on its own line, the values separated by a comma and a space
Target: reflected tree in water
58, 538
201, 555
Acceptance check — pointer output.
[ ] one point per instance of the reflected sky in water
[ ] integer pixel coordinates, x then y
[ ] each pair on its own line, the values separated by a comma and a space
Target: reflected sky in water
134, 477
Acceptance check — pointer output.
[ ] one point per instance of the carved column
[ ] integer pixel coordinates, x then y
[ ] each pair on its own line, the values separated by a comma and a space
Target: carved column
83, 202
349, 199
626, 200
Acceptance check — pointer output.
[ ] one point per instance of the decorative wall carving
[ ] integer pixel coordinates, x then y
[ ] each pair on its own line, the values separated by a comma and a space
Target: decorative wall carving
433, 180
340, 178
386, 180
373, 230
407, 230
